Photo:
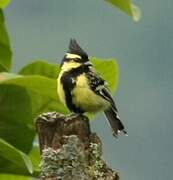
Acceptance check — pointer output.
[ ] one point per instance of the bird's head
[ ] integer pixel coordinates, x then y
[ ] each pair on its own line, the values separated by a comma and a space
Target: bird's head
75, 56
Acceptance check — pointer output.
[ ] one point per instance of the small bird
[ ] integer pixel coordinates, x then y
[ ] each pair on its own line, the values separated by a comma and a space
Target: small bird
82, 89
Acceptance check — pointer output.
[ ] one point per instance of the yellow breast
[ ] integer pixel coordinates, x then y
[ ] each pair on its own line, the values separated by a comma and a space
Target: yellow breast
85, 98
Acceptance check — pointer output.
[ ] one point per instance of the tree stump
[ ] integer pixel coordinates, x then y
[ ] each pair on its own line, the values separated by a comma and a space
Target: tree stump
69, 151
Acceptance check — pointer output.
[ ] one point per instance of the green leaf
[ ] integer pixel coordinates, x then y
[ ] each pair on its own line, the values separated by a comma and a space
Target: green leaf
39, 87
4, 3
5, 50
35, 157
109, 70
22, 98
38, 84
49, 71
16, 116
41, 68
128, 7
16, 157
5, 76
13, 177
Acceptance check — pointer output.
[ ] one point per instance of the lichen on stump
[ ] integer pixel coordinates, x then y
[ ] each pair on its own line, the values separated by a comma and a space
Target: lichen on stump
69, 150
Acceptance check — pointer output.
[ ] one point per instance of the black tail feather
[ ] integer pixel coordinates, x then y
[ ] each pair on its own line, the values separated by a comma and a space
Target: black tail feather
114, 121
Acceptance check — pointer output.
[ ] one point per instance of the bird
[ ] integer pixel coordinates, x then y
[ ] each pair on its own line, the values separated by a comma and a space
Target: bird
82, 89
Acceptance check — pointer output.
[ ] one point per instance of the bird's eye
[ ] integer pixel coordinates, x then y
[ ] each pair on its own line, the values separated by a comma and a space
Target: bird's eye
77, 60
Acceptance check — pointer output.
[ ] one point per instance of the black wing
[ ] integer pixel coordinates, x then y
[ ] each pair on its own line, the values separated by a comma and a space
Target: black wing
98, 85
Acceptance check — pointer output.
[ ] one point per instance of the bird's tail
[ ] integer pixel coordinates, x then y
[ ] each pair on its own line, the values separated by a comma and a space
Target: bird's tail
114, 121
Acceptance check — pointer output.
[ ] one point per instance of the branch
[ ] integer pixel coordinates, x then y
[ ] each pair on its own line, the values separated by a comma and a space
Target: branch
69, 150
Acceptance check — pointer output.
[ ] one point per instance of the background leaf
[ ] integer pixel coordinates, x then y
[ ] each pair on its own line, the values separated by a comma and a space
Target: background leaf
14, 177
16, 117
35, 157
128, 7
109, 70
5, 50
5, 76
38, 84
4, 3
17, 159
42, 68
21, 100
42, 91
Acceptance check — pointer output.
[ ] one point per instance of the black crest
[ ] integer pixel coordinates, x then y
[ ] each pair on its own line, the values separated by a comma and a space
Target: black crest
74, 48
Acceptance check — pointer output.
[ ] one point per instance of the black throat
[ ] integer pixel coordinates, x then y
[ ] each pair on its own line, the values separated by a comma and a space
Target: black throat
68, 81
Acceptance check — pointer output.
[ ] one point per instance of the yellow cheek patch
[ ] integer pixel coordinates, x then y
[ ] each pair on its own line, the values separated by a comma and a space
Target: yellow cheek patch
67, 66
72, 56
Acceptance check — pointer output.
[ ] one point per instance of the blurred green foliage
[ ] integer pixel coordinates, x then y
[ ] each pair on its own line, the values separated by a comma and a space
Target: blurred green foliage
128, 7
5, 50
4, 3
30, 92
13, 160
